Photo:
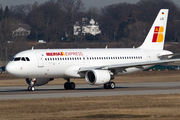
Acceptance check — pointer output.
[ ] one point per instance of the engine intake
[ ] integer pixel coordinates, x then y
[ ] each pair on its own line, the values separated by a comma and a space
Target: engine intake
98, 77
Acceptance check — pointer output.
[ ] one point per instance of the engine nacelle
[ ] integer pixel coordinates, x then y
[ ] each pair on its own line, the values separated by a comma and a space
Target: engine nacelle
98, 77
39, 81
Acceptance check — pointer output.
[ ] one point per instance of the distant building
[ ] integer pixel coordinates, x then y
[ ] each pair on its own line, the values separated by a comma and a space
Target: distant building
20, 30
86, 26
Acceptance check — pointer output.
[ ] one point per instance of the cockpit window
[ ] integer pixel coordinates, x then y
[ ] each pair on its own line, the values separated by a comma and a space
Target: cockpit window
12, 59
17, 59
20, 59
23, 59
27, 59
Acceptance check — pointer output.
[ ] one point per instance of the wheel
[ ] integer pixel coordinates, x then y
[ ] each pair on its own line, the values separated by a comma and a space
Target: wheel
111, 85
31, 88
106, 86
72, 86
66, 86
69, 86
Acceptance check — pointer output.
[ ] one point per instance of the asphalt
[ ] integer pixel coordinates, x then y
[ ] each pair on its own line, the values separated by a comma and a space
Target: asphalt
85, 90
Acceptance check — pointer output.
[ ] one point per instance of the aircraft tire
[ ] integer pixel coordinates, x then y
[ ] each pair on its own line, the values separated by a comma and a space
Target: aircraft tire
72, 85
111, 85
106, 86
66, 86
31, 88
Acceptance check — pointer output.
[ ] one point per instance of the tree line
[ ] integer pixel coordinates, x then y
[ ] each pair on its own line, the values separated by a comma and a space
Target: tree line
54, 19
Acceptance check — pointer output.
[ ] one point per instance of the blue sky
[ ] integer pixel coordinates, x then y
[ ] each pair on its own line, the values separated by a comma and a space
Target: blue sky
88, 3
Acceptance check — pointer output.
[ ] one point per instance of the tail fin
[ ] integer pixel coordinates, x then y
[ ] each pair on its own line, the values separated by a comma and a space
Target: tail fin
156, 36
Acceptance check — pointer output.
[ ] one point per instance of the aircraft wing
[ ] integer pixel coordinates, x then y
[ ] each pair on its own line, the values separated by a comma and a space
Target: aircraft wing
128, 65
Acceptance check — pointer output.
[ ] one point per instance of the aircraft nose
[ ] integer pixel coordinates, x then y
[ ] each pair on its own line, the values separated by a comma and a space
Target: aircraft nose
10, 69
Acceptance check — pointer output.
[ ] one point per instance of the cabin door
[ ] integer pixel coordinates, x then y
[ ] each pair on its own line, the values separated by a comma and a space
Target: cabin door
40, 60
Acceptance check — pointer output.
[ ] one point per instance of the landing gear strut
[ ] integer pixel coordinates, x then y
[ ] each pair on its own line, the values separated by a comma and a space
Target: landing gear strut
31, 87
110, 85
69, 85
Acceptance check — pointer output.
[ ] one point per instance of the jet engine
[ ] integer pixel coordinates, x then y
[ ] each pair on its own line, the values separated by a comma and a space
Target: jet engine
39, 81
98, 77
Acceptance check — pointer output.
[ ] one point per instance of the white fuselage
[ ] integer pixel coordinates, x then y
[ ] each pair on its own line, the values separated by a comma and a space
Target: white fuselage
65, 63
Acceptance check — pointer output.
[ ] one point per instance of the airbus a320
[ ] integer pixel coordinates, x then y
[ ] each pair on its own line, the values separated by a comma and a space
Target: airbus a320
97, 66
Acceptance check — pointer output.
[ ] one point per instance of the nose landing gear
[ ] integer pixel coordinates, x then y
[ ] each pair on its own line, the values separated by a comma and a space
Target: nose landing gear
32, 83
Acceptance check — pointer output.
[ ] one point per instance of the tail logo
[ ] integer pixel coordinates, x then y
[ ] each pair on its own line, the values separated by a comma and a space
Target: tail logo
158, 34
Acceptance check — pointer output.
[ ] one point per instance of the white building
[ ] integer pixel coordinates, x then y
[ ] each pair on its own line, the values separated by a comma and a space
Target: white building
20, 30
86, 26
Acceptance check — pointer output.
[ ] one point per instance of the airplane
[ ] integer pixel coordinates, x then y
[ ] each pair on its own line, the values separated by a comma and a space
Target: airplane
98, 66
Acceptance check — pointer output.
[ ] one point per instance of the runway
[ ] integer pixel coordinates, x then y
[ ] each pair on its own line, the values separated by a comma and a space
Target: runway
85, 90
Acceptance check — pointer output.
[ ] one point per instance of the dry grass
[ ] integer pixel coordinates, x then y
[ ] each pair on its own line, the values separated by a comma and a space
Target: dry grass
160, 107
154, 76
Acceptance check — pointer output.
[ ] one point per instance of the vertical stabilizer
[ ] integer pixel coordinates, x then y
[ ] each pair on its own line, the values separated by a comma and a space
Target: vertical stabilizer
156, 36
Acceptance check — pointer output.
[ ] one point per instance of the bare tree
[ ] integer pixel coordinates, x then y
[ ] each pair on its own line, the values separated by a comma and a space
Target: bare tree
20, 11
71, 8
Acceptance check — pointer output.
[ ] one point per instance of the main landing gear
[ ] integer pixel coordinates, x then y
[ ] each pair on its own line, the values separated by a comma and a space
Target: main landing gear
110, 85
69, 85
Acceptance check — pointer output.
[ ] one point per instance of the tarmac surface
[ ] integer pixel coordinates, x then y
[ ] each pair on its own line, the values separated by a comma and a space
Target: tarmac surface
85, 90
